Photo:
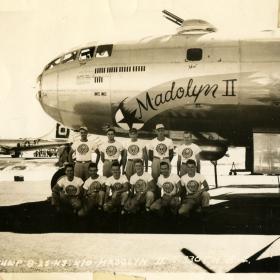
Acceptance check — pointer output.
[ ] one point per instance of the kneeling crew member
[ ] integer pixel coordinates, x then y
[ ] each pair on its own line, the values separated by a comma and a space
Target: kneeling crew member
93, 191
68, 190
143, 189
194, 196
117, 188
170, 189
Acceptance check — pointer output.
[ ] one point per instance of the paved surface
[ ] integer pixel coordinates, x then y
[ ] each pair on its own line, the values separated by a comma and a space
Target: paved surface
240, 222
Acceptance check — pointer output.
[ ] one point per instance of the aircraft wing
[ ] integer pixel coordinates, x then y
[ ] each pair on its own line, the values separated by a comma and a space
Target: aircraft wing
15, 150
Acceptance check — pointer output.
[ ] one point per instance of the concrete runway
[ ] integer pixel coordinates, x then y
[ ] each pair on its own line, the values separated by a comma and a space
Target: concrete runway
240, 222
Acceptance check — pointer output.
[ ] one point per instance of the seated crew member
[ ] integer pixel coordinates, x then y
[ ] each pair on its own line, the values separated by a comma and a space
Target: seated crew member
110, 152
193, 195
170, 190
93, 191
143, 189
83, 149
117, 188
161, 149
68, 190
187, 151
134, 150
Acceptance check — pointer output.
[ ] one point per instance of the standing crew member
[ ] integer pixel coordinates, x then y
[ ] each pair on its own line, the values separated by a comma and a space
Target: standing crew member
170, 190
83, 149
110, 152
134, 150
93, 191
143, 189
193, 193
68, 190
187, 151
117, 188
161, 149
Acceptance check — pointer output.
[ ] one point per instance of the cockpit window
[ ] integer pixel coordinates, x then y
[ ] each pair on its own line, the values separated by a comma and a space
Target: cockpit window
86, 53
104, 51
69, 57
53, 63
194, 54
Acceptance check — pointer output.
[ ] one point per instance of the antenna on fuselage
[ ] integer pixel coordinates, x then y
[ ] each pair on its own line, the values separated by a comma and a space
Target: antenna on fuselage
177, 20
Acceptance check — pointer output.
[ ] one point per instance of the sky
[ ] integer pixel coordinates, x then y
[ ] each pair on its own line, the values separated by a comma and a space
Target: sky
33, 32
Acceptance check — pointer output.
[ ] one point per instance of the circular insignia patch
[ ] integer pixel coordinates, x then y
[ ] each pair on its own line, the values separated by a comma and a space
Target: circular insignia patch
140, 186
187, 153
161, 148
168, 187
117, 186
193, 186
71, 190
133, 149
111, 150
95, 186
83, 149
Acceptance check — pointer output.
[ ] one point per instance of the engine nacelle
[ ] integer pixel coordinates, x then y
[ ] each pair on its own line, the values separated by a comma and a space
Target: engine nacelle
212, 150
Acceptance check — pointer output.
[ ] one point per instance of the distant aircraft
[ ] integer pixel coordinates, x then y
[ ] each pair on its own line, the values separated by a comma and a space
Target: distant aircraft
221, 88
15, 147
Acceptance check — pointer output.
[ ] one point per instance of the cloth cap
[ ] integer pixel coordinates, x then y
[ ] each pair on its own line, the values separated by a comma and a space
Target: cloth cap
83, 128
158, 126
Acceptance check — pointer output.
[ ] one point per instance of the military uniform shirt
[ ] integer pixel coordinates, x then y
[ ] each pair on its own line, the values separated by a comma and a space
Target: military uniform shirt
192, 184
188, 152
83, 150
161, 148
94, 185
116, 184
168, 185
134, 149
70, 187
141, 182
111, 151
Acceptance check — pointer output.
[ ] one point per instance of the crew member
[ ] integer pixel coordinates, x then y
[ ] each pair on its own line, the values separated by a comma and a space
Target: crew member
143, 189
111, 150
83, 149
170, 190
161, 149
193, 195
187, 151
134, 150
63, 154
68, 190
117, 188
93, 191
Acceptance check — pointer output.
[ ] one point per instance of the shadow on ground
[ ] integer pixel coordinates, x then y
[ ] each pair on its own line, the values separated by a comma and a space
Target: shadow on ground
239, 214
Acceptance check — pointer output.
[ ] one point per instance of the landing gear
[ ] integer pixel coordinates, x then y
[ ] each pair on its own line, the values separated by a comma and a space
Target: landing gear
233, 169
215, 162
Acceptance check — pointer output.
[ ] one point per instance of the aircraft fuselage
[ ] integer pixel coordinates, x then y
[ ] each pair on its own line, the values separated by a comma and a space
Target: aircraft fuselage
197, 82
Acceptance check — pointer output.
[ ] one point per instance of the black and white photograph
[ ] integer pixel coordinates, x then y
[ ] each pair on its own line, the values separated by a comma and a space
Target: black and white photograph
139, 139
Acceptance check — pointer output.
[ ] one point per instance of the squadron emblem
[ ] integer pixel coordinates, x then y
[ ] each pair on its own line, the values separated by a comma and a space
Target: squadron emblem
193, 186
133, 149
187, 153
111, 150
140, 185
83, 149
94, 187
161, 148
71, 190
168, 187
